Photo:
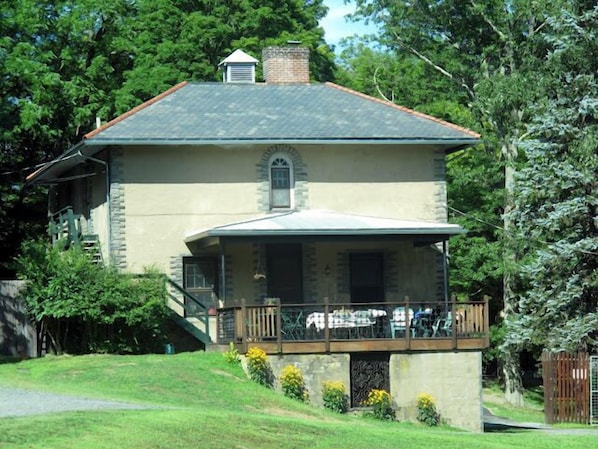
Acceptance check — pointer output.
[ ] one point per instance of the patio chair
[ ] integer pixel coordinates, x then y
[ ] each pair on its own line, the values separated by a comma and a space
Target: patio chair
293, 325
399, 321
443, 326
423, 324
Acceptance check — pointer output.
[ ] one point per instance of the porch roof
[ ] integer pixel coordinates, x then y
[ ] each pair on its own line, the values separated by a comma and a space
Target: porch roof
319, 223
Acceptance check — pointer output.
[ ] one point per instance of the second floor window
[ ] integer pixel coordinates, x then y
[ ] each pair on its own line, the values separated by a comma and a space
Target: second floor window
281, 183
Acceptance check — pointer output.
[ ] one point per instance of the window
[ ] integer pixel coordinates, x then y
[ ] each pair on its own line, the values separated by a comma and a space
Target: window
201, 280
281, 182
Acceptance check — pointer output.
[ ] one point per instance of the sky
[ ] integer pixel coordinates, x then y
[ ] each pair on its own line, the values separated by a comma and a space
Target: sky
336, 26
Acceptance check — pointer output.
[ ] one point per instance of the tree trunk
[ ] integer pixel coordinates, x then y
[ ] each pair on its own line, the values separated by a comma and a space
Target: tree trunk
511, 366
512, 375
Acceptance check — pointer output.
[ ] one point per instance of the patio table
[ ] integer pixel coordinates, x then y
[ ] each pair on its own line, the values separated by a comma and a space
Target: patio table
340, 319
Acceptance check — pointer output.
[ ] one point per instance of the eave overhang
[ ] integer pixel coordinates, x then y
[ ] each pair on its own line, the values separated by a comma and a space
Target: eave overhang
324, 225
51, 171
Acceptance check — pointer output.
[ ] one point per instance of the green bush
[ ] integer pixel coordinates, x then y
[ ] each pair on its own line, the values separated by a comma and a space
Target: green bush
426, 410
292, 383
259, 368
335, 396
231, 355
86, 307
381, 403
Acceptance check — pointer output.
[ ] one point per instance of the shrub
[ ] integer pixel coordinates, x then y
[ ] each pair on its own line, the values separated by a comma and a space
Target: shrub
426, 410
335, 396
231, 355
292, 383
85, 307
259, 368
381, 403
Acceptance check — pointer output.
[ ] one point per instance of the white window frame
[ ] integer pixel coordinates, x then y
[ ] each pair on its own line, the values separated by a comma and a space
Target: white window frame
271, 164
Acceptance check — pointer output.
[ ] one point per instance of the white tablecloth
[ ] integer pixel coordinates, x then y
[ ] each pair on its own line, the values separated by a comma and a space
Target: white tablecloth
340, 319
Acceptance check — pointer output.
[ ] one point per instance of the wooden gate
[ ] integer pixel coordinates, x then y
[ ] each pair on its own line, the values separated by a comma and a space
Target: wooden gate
566, 387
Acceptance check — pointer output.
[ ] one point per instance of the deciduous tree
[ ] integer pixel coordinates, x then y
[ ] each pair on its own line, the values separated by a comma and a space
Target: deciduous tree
63, 63
491, 51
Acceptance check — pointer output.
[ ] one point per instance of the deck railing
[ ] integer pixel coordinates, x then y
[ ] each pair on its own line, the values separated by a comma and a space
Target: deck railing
282, 328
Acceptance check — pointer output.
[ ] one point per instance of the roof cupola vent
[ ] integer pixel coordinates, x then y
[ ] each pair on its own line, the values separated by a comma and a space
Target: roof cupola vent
239, 67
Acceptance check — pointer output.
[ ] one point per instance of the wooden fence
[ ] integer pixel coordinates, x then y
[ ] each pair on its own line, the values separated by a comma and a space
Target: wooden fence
566, 387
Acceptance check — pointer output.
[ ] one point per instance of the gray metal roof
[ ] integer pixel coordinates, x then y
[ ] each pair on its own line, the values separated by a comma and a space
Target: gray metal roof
220, 112
325, 223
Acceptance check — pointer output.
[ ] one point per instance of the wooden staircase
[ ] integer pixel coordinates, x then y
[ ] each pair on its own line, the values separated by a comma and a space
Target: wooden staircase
66, 229
187, 311
90, 243
195, 319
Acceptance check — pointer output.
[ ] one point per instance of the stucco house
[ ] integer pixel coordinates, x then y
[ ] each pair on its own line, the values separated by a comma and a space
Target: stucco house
304, 218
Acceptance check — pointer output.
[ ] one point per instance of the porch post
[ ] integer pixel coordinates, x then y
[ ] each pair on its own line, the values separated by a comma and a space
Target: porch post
445, 273
222, 292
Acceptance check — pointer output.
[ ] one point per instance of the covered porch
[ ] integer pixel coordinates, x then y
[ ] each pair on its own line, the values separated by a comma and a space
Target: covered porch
321, 282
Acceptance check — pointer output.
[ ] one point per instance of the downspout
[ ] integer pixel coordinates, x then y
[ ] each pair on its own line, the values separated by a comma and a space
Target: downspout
108, 208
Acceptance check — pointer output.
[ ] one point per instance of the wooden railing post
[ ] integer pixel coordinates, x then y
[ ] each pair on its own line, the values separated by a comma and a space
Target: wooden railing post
279, 326
487, 319
72, 227
454, 321
326, 328
244, 321
407, 323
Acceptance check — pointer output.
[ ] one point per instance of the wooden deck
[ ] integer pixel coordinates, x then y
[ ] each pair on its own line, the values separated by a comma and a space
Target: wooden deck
365, 327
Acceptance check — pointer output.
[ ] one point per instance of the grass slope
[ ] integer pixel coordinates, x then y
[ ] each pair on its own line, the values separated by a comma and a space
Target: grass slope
209, 403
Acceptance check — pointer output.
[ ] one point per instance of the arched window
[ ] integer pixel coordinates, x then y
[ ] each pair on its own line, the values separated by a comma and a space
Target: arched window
281, 182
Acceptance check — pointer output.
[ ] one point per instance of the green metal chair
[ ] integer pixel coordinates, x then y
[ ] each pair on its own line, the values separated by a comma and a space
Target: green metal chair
293, 325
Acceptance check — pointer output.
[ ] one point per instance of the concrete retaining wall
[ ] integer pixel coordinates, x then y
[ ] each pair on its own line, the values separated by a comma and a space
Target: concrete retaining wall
316, 368
17, 335
454, 379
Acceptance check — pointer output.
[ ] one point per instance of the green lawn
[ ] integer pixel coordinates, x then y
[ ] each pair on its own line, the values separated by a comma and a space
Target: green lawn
208, 403
532, 412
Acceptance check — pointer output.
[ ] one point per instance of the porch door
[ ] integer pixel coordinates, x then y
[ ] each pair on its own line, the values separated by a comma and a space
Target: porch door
367, 277
284, 272
201, 280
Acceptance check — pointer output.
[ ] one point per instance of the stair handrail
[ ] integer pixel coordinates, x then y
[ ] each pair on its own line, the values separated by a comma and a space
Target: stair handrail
202, 317
65, 220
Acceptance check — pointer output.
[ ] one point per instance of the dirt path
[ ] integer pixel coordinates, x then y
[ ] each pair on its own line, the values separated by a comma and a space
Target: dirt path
19, 402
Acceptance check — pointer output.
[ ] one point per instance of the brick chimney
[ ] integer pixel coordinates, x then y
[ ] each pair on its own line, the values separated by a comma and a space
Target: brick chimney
286, 65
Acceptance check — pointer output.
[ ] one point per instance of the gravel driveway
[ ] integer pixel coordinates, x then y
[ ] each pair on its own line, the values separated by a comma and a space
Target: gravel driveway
18, 402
